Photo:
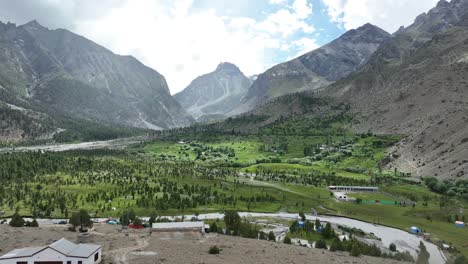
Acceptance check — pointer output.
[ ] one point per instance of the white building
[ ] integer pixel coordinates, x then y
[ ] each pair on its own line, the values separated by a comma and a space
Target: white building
341, 196
180, 227
60, 252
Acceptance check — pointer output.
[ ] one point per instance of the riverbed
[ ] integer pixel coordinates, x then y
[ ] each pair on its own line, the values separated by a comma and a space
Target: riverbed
112, 144
403, 240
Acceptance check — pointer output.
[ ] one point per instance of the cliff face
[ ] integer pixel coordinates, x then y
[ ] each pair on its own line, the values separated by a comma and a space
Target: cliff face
62, 73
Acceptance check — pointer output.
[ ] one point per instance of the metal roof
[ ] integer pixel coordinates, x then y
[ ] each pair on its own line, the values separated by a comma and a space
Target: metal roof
22, 252
73, 250
84, 250
62, 246
174, 225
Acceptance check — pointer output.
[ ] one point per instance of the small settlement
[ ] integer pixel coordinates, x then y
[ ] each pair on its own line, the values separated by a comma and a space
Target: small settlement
340, 192
59, 252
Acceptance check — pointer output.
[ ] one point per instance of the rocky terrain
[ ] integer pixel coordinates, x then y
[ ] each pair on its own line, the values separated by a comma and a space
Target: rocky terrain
57, 72
214, 95
416, 85
317, 68
136, 246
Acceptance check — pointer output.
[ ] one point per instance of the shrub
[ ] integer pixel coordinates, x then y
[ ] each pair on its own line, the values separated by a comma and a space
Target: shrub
17, 220
137, 222
321, 244
287, 240
355, 250
336, 245
214, 250
392, 247
271, 236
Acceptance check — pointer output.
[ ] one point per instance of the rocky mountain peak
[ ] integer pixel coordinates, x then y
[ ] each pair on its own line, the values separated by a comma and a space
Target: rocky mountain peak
34, 24
215, 93
443, 3
227, 66
365, 33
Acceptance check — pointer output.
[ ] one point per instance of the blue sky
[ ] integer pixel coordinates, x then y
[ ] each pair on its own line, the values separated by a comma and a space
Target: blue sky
183, 39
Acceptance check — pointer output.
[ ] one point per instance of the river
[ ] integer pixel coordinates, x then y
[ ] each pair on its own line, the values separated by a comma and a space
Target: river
402, 239
115, 143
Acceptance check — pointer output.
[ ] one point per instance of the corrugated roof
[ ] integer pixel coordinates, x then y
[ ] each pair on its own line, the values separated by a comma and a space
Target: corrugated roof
174, 225
63, 246
22, 252
84, 250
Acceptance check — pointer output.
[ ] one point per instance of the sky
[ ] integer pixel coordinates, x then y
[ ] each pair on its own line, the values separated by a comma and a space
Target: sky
183, 39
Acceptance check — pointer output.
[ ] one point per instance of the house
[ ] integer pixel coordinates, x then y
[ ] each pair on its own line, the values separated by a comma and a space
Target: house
353, 188
180, 227
59, 252
341, 196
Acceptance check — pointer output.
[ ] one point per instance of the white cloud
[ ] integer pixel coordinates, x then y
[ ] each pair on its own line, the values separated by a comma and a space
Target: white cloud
278, 2
305, 45
181, 39
387, 14
302, 8
182, 43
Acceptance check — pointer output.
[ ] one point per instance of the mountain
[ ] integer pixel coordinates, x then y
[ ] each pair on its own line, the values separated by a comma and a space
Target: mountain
416, 85
215, 94
60, 73
317, 68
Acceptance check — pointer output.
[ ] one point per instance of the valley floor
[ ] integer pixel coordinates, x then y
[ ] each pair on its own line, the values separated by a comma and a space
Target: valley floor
136, 246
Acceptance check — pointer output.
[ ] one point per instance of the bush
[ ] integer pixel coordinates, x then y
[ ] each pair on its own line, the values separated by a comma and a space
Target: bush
213, 228
336, 245
321, 244
214, 250
17, 220
287, 240
271, 236
355, 250
137, 222
34, 223
392, 247
460, 260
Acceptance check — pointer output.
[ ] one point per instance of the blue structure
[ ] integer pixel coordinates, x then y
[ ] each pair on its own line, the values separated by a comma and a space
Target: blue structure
459, 224
415, 230
301, 224
319, 229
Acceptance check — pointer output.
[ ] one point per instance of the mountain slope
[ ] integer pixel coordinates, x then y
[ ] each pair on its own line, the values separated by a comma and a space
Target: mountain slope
61, 73
215, 93
416, 85
317, 68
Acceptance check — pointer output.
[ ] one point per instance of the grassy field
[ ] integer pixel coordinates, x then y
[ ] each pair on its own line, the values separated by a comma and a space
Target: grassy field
257, 173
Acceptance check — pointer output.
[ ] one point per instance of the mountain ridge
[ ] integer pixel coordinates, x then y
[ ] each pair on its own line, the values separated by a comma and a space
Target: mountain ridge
60, 72
317, 68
